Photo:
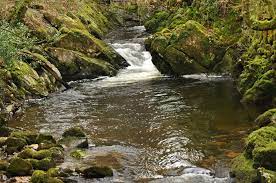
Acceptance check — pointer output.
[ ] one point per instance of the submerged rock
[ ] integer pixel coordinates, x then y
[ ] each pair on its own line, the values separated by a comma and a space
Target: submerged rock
96, 172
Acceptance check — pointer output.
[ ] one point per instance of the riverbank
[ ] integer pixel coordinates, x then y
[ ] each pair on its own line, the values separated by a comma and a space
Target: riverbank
233, 37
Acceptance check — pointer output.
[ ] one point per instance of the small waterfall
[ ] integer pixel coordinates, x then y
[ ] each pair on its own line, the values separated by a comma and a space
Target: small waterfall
141, 67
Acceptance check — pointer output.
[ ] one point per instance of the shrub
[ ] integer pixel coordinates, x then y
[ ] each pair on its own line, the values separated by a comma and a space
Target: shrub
14, 39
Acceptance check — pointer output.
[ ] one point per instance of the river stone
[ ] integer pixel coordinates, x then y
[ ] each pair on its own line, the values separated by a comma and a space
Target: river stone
97, 172
45, 138
74, 132
19, 167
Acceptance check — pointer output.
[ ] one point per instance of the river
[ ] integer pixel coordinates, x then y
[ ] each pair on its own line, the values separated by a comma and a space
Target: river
143, 124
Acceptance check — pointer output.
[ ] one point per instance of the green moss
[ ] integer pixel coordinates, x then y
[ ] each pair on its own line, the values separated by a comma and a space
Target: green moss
265, 156
78, 154
39, 176
243, 171
44, 164
263, 90
260, 138
19, 167
54, 153
74, 132
266, 118
45, 138
27, 135
157, 21
4, 165
14, 144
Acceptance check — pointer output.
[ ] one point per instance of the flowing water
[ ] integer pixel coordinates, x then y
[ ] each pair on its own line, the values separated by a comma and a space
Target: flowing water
146, 125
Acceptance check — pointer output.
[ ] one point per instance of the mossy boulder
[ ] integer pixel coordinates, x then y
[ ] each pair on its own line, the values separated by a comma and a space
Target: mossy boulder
27, 135
42, 138
157, 21
97, 172
263, 91
39, 176
268, 117
265, 156
15, 144
74, 132
19, 167
260, 139
87, 44
25, 77
243, 171
55, 153
44, 164
74, 65
187, 49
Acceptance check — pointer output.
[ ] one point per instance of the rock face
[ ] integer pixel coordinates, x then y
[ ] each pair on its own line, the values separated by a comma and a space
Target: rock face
187, 49
71, 48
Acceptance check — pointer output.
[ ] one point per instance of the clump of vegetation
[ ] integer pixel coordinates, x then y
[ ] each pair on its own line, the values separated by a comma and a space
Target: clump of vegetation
14, 38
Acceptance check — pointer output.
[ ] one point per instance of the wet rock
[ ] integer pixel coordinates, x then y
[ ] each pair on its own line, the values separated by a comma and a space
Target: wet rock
19, 167
15, 144
74, 132
96, 172
74, 142
45, 138
266, 118
39, 176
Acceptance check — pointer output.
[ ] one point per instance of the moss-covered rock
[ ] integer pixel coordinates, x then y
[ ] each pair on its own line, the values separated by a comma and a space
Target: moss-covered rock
187, 49
266, 118
44, 164
54, 153
157, 21
259, 139
74, 132
27, 135
45, 138
15, 144
19, 167
39, 176
74, 142
78, 154
74, 65
243, 171
265, 156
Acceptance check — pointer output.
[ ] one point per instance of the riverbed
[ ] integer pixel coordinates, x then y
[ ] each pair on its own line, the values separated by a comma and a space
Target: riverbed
143, 124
